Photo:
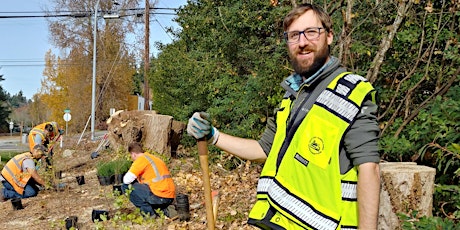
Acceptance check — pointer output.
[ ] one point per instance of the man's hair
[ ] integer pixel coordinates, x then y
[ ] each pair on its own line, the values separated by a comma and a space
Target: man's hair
49, 127
298, 11
40, 148
135, 147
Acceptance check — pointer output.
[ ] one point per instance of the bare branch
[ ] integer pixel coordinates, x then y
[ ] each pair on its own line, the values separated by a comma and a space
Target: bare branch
222, 20
441, 92
408, 75
403, 7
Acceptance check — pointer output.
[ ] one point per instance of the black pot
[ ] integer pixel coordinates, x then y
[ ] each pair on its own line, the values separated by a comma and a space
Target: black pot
104, 180
183, 207
70, 222
118, 178
80, 180
117, 187
17, 204
96, 215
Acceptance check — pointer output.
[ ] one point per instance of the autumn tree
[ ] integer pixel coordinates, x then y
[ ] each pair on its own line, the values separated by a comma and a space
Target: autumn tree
37, 111
69, 76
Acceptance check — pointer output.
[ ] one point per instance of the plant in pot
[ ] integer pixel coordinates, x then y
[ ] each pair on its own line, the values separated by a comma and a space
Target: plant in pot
120, 166
104, 173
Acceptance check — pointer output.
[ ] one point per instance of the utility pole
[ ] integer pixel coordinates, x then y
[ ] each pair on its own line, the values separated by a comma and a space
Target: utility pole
146, 55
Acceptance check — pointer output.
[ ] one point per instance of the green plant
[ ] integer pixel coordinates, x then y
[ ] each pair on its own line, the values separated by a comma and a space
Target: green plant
446, 201
431, 138
121, 166
126, 217
6, 156
426, 223
446, 206
105, 169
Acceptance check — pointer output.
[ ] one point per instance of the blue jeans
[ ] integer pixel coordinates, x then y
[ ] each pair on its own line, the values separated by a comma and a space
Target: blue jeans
145, 200
30, 190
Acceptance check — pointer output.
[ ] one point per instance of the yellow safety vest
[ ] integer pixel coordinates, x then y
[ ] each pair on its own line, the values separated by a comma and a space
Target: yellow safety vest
300, 186
12, 172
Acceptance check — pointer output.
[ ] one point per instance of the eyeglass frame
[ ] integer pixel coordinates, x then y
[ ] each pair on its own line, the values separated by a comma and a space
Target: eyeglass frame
285, 34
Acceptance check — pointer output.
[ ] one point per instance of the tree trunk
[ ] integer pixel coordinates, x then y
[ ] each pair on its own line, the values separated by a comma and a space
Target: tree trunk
405, 187
156, 132
385, 45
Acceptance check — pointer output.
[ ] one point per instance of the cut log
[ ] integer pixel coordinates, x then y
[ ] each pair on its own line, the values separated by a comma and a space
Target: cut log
405, 187
157, 129
156, 132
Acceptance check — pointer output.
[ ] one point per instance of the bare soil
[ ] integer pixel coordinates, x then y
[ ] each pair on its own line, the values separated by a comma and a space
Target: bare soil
48, 210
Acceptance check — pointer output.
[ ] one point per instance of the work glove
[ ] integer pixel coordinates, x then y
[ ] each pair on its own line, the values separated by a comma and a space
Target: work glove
199, 126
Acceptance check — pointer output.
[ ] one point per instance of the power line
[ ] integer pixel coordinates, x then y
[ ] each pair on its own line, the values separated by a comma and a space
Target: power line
74, 11
81, 14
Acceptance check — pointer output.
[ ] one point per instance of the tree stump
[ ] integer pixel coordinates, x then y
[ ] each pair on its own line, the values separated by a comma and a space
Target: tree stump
156, 132
405, 187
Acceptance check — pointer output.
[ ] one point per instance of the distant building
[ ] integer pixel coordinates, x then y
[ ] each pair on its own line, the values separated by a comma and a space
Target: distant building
136, 102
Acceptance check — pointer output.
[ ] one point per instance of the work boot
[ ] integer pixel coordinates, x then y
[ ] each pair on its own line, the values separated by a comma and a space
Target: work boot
170, 211
165, 212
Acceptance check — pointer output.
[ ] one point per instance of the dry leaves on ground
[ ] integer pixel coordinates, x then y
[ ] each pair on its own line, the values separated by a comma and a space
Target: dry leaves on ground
236, 189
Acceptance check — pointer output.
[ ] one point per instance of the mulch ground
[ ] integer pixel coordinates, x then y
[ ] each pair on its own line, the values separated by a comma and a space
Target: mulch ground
48, 210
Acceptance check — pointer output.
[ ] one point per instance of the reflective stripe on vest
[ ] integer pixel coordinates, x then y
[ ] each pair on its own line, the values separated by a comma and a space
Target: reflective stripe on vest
157, 173
318, 197
12, 172
348, 189
298, 208
38, 130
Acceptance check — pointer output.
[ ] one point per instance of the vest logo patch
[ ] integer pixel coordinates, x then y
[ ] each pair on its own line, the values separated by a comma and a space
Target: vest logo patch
316, 145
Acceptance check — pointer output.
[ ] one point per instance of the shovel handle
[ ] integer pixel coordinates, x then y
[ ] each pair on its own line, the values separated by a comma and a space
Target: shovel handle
203, 152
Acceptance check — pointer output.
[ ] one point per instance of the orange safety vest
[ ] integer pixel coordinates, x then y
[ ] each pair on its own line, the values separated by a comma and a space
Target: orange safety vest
157, 176
12, 172
40, 130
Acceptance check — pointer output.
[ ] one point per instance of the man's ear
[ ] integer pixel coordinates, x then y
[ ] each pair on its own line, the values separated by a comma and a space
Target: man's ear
330, 37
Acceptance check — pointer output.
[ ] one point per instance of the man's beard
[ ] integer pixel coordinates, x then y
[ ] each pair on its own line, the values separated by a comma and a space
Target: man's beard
307, 70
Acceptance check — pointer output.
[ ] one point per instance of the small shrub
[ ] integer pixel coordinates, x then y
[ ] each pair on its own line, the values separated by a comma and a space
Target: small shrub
105, 169
426, 223
121, 166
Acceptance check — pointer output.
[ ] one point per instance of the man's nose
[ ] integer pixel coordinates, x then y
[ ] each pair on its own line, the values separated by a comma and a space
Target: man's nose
303, 41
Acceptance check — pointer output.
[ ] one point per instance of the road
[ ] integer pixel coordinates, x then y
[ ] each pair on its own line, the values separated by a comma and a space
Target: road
16, 143
12, 143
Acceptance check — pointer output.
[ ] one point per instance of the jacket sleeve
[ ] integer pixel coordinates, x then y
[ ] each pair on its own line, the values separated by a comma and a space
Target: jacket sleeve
267, 137
361, 141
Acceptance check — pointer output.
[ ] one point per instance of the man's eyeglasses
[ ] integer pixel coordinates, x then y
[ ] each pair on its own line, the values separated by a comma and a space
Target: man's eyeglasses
310, 33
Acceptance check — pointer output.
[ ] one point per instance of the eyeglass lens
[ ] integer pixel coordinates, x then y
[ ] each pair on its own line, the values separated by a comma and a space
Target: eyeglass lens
309, 33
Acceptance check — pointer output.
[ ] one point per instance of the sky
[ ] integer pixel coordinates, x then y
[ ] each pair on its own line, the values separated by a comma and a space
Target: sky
25, 41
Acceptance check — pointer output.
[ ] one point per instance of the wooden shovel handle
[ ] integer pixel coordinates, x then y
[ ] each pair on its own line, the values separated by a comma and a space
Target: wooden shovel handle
203, 152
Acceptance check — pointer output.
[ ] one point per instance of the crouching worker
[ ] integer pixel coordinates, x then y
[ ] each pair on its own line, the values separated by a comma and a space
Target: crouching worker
153, 187
19, 177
